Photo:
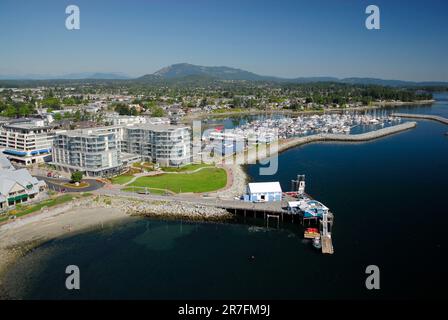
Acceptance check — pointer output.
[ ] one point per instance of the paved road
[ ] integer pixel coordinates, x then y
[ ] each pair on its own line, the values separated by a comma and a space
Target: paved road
57, 184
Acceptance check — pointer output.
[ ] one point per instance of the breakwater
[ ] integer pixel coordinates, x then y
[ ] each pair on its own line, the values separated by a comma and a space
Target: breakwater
260, 154
422, 116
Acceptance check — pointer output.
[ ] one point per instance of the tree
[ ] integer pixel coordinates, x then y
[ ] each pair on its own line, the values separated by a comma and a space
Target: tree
157, 112
77, 176
24, 110
52, 103
10, 111
77, 116
122, 109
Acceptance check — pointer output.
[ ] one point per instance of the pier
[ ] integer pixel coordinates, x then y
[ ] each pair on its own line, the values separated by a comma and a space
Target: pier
274, 213
277, 212
422, 116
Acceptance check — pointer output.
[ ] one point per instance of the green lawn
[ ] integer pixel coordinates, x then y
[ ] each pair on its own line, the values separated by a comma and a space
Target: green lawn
188, 167
121, 179
205, 180
25, 209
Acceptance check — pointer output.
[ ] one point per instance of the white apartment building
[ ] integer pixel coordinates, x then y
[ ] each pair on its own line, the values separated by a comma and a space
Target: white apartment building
27, 142
94, 151
104, 151
167, 145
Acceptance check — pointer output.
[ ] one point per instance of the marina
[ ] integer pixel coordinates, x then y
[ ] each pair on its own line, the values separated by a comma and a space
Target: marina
265, 131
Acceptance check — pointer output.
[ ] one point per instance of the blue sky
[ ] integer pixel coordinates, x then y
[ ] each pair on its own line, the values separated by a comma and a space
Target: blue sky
277, 37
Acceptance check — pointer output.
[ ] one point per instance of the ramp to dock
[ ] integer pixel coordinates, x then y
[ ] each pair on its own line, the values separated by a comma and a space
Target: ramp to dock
327, 245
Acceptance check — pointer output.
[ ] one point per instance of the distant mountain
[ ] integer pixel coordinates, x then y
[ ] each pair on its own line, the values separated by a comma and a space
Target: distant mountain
312, 79
96, 75
190, 74
70, 76
222, 73
25, 76
183, 71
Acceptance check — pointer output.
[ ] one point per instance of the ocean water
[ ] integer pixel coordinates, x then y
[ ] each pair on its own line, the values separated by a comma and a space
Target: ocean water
389, 201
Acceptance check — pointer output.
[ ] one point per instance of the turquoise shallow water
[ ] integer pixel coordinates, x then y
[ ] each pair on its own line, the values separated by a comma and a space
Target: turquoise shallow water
388, 197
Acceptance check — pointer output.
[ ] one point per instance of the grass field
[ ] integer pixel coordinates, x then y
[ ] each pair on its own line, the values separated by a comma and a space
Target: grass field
209, 179
25, 209
188, 167
121, 179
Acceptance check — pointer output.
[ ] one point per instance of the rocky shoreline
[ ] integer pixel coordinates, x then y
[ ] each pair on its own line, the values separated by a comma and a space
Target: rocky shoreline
165, 209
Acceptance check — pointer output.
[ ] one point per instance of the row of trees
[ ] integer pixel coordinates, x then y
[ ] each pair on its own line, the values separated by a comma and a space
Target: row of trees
16, 109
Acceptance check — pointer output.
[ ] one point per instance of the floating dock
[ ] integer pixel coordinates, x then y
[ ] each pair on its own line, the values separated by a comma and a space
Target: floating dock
327, 245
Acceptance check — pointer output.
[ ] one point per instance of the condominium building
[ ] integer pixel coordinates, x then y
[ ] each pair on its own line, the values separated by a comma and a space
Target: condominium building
167, 145
27, 142
94, 151
104, 151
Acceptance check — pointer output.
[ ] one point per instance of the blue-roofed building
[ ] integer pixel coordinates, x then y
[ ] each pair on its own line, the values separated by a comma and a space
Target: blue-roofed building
264, 192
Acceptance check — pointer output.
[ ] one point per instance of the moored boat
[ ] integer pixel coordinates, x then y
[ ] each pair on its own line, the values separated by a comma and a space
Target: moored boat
311, 233
317, 243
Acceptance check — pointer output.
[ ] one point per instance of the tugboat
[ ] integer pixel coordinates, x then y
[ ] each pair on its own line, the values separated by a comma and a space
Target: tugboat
317, 243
